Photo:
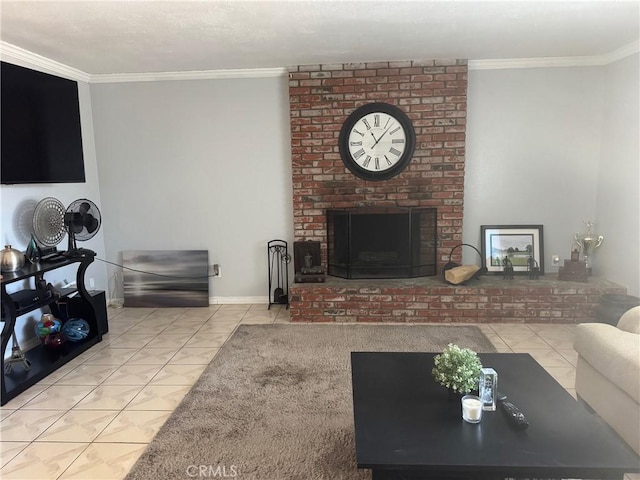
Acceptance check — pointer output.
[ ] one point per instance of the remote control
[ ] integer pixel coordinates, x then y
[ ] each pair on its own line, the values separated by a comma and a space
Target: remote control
515, 417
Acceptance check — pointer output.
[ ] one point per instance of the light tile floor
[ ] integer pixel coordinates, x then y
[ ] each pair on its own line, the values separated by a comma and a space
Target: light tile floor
93, 418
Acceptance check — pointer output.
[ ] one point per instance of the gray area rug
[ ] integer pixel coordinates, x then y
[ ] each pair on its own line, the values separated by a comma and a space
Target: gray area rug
276, 404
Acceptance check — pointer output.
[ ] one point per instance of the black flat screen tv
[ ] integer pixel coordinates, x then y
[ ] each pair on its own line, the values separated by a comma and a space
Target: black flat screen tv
40, 123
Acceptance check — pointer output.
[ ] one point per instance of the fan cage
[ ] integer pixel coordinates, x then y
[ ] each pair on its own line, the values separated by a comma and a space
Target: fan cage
48, 222
76, 207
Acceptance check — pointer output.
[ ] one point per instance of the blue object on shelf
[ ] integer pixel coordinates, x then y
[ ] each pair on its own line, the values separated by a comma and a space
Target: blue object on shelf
75, 329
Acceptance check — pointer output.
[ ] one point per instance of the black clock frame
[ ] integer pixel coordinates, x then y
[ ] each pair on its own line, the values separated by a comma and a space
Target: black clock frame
352, 119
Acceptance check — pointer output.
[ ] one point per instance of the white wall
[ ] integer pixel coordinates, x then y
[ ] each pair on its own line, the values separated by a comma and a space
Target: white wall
207, 162
535, 140
197, 164
533, 149
618, 199
17, 203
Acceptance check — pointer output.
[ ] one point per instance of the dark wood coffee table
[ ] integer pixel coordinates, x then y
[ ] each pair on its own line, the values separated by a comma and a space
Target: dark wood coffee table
407, 428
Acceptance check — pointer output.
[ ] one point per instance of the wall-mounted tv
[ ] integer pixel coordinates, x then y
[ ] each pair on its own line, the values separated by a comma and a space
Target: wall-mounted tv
40, 123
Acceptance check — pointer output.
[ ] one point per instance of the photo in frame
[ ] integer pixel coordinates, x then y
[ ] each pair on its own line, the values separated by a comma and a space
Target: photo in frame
521, 245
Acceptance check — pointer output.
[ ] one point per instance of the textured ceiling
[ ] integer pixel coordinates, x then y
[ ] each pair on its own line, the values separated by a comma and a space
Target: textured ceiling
105, 37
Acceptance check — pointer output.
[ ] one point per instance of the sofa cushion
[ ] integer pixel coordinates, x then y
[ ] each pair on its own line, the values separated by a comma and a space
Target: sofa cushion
630, 320
612, 352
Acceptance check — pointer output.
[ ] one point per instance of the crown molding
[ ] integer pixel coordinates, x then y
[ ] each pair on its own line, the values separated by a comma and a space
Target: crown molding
544, 62
550, 62
12, 54
622, 52
9, 52
191, 75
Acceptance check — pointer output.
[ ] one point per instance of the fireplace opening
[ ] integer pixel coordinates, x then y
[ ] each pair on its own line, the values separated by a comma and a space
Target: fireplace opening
381, 242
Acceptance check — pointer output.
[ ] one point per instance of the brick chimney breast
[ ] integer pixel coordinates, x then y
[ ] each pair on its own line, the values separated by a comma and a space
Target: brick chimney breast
433, 93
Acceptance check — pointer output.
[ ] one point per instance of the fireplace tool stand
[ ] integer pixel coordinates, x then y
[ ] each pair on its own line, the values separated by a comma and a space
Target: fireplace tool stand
279, 259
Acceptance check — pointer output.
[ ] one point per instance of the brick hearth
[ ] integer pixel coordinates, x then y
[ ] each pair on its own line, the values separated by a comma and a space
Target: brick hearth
430, 299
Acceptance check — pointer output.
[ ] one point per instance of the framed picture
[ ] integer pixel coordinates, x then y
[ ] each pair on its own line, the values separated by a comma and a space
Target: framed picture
519, 246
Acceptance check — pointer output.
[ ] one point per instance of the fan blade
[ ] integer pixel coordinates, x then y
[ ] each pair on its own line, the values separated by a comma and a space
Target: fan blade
74, 223
91, 223
84, 207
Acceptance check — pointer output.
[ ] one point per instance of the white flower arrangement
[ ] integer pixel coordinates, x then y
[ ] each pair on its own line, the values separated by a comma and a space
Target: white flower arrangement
457, 368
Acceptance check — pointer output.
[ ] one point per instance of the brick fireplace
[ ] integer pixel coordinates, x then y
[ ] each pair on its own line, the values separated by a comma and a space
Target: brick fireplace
433, 94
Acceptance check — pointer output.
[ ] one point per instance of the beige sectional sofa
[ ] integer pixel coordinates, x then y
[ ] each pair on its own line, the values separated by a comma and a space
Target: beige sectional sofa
608, 373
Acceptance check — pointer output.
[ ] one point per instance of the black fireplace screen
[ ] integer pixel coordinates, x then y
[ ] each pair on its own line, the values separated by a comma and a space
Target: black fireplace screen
381, 242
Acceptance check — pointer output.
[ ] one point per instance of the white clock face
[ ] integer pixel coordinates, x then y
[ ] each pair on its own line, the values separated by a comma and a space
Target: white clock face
377, 142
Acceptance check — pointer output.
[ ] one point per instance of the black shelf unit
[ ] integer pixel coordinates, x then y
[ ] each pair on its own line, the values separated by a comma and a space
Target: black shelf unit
43, 360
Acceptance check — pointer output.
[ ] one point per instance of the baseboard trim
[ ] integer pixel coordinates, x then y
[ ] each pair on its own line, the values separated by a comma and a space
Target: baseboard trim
237, 300
119, 302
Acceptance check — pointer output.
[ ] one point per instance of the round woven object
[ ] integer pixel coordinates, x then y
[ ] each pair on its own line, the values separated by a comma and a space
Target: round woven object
48, 222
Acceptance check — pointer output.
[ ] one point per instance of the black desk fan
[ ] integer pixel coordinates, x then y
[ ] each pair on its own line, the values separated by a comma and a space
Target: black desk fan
82, 220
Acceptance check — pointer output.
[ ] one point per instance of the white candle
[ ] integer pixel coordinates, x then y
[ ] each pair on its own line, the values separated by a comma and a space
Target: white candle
471, 409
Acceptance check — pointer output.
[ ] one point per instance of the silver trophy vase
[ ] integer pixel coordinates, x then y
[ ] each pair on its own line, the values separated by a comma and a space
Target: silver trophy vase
587, 243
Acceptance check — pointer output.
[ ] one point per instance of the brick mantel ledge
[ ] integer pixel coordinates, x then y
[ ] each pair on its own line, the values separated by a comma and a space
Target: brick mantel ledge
488, 299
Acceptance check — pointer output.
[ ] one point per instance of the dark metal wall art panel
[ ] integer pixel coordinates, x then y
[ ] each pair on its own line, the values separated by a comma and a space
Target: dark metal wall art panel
166, 278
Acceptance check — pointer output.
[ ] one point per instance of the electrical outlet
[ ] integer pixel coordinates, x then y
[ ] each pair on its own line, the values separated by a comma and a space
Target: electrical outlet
216, 271
555, 260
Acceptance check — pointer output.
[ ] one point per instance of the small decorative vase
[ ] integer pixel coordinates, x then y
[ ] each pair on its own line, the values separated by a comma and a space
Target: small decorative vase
54, 340
75, 329
47, 325
12, 259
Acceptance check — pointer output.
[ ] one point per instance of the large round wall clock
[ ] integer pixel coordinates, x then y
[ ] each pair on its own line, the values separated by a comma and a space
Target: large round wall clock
377, 141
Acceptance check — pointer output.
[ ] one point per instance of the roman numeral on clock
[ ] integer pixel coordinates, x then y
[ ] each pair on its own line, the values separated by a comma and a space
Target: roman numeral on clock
376, 120
366, 162
359, 133
366, 123
394, 151
358, 154
388, 161
397, 140
355, 144
377, 163
394, 130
